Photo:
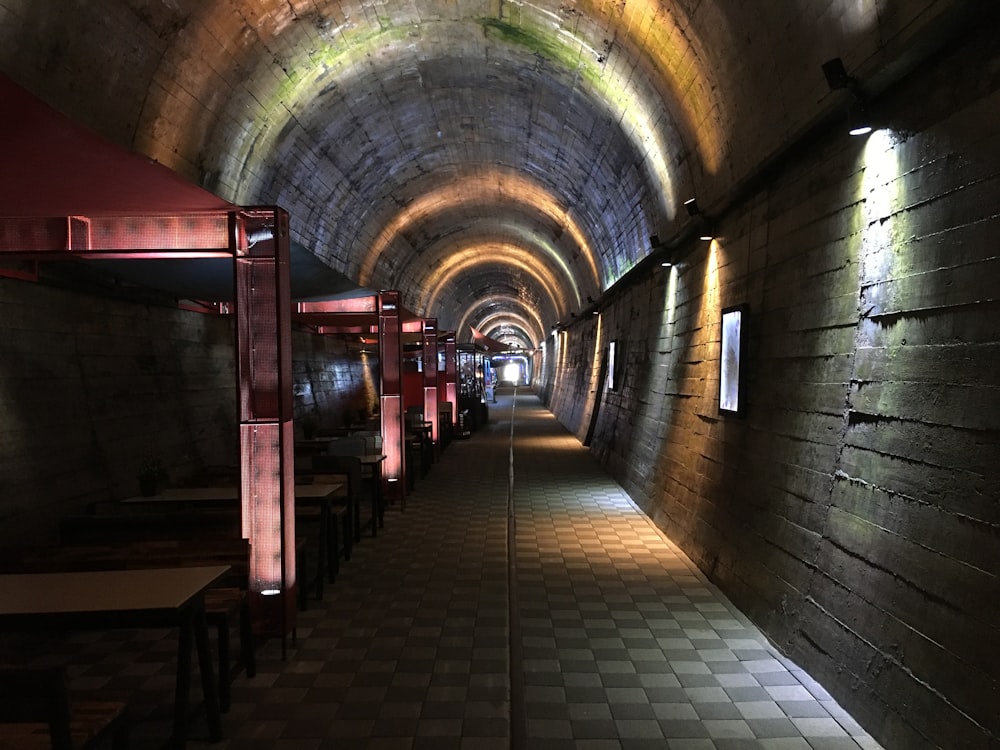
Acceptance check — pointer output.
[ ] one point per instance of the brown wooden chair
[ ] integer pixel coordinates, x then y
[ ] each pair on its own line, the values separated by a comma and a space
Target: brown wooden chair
38, 713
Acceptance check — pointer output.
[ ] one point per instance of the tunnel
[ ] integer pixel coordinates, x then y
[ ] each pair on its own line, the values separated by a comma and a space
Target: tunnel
744, 253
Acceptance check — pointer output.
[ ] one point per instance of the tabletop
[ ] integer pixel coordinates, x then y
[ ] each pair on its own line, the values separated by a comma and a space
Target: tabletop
103, 591
228, 492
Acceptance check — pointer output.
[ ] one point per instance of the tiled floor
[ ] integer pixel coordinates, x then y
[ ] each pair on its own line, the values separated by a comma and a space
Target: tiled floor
617, 642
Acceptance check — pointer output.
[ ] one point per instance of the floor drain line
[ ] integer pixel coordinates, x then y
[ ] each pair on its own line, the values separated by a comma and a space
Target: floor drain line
518, 711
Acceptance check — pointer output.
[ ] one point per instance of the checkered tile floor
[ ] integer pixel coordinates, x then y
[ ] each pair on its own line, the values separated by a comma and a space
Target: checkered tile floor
616, 639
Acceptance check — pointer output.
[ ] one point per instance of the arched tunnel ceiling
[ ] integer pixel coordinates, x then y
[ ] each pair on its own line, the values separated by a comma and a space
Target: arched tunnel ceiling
498, 163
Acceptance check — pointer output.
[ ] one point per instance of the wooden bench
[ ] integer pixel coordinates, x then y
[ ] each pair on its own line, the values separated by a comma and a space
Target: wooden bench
37, 712
129, 526
323, 467
344, 512
223, 606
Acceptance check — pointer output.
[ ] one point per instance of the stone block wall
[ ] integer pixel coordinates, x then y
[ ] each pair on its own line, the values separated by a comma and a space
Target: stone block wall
91, 386
336, 382
854, 511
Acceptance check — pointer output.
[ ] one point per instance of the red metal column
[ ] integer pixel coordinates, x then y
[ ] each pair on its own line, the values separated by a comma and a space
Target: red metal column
264, 385
451, 375
428, 355
390, 343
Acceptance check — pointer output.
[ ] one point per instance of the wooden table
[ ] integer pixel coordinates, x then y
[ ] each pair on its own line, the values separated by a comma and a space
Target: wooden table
145, 598
319, 495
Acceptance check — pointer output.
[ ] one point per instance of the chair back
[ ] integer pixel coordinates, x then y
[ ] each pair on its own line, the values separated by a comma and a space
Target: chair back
349, 446
373, 441
349, 465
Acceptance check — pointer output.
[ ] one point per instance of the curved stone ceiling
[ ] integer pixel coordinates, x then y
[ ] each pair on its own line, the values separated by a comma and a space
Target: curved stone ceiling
499, 163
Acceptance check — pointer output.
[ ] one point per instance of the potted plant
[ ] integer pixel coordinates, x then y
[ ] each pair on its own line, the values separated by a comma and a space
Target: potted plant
151, 474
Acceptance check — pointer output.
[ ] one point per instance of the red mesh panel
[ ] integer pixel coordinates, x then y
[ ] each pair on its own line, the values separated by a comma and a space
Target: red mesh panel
392, 443
262, 506
120, 236
429, 355
390, 365
258, 339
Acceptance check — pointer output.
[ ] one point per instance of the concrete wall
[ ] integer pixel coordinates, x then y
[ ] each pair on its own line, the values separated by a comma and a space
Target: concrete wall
91, 385
854, 511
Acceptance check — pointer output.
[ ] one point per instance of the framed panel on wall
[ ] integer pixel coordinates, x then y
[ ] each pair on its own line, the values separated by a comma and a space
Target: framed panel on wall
613, 376
731, 369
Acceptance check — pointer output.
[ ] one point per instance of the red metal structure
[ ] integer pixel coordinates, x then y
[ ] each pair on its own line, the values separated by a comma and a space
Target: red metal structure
69, 194
264, 373
450, 376
384, 314
428, 354
390, 346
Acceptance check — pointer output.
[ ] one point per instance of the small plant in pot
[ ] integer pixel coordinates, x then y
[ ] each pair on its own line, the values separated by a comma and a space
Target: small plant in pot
151, 475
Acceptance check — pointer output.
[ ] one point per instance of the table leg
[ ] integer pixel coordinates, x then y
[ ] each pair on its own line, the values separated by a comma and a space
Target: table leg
330, 542
209, 686
356, 508
379, 498
321, 553
374, 506
182, 688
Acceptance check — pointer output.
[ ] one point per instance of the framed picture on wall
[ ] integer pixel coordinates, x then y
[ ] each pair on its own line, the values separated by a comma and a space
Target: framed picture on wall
613, 375
734, 331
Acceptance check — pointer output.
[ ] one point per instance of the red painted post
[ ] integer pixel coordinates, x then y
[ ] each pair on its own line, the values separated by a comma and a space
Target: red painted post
260, 245
451, 374
428, 355
390, 342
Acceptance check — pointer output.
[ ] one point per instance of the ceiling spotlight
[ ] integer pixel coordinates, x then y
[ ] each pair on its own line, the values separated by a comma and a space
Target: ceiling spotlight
691, 205
666, 264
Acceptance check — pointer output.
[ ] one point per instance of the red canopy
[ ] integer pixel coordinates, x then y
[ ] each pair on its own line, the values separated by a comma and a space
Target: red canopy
54, 167
490, 345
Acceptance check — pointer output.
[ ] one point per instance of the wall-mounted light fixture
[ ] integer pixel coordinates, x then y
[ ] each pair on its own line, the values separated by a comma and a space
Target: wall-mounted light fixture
695, 212
858, 117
